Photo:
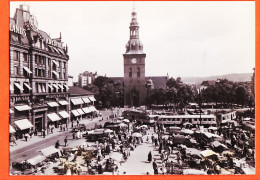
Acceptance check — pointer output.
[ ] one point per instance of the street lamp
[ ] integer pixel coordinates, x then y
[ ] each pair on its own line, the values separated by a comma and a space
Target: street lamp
198, 89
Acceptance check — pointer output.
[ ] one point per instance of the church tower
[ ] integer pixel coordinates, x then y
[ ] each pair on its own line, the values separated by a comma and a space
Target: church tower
134, 67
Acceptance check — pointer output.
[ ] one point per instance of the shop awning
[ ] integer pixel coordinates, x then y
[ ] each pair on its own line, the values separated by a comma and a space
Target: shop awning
36, 160
11, 111
64, 114
23, 108
27, 69
63, 102
86, 110
23, 124
50, 86
66, 86
18, 86
77, 101
49, 151
80, 111
27, 85
53, 104
56, 63
53, 117
75, 113
11, 87
55, 86
61, 87
56, 74
11, 129
86, 100
91, 98
92, 108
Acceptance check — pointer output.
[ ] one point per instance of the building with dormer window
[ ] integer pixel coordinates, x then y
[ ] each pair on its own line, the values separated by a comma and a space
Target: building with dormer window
38, 75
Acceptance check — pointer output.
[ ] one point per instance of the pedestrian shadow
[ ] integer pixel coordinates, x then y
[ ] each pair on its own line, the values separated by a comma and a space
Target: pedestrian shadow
147, 162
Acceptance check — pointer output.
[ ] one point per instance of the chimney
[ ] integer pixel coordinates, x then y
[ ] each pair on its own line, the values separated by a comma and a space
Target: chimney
26, 12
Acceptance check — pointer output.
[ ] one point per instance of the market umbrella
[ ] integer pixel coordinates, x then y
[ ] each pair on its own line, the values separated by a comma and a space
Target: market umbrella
126, 121
144, 126
108, 131
137, 135
213, 128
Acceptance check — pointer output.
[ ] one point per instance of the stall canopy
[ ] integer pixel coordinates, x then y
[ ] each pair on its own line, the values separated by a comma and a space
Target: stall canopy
91, 98
36, 160
80, 111
63, 102
23, 124
49, 151
217, 144
92, 108
86, 110
208, 153
23, 108
53, 117
11, 129
64, 114
53, 104
27, 70
86, 100
75, 113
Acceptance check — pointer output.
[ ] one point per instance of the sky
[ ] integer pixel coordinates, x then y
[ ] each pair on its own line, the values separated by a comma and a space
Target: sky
186, 39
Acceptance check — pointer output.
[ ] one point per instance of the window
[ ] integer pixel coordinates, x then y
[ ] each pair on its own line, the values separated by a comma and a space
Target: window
49, 62
25, 57
138, 72
36, 59
16, 70
130, 72
64, 75
43, 73
16, 55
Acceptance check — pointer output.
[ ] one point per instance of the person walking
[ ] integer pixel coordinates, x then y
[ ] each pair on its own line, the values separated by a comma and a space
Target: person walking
73, 135
150, 157
66, 141
155, 168
57, 144
26, 136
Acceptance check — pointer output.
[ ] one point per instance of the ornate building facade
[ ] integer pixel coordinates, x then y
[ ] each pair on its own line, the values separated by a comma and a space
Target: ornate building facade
134, 67
38, 75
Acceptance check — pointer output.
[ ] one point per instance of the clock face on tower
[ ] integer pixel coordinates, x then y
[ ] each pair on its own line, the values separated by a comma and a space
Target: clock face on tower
133, 61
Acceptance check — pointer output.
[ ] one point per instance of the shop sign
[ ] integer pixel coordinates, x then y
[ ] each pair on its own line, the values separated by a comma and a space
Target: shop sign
16, 29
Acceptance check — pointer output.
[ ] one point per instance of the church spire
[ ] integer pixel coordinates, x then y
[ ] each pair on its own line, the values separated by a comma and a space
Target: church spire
134, 26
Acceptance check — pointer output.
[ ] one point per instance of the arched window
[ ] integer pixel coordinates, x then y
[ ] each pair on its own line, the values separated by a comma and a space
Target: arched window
130, 72
138, 72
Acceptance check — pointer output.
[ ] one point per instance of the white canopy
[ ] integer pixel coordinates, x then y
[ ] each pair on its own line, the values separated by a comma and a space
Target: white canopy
49, 151
80, 111
63, 102
23, 124
75, 112
64, 114
23, 108
53, 104
53, 117
86, 100
37, 159
91, 98
86, 110
11, 129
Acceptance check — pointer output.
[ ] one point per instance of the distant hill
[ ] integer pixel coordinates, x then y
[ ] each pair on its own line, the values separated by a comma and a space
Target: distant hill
239, 77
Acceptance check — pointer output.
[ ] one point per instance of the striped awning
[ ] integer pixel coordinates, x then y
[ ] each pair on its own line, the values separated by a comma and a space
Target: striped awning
64, 114
80, 111
23, 124
63, 102
53, 117
53, 104
56, 74
86, 100
55, 62
54, 85
11, 129
77, 101
75, 112
23, 108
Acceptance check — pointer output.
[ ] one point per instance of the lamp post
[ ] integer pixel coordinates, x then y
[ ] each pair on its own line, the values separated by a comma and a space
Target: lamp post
198, 89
